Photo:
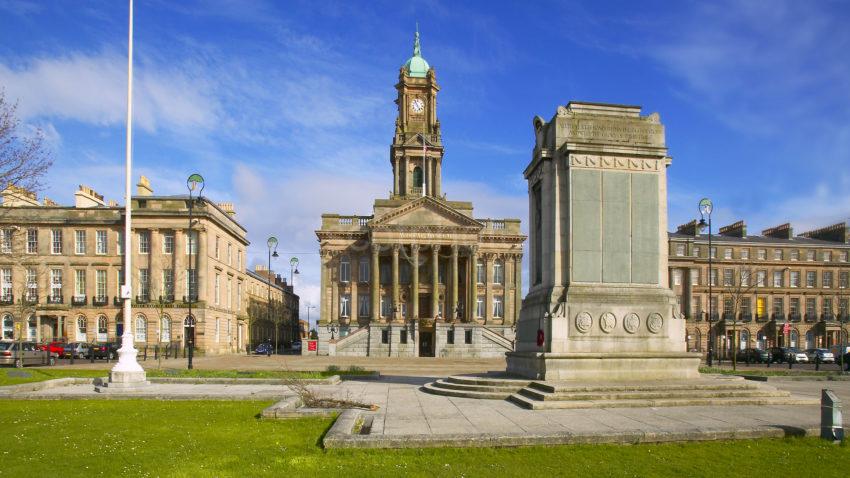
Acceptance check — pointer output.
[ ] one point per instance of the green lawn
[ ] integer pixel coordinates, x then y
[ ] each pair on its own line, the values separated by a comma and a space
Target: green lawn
13, 376
10, 376
155, 438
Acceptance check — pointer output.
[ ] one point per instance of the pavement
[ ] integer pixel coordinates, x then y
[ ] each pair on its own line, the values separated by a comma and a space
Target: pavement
409, 417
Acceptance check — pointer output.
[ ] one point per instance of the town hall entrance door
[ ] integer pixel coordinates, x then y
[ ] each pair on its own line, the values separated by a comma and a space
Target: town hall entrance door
426, 343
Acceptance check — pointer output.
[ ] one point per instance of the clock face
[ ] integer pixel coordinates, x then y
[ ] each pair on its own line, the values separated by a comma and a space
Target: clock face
417, 105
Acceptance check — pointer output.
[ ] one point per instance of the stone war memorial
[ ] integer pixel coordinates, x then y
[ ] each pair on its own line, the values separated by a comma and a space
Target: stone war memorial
599, 306
600, 326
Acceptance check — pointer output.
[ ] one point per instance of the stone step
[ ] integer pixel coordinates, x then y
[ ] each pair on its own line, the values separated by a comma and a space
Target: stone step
650, 395
532, 404
555, 387
434, 390
476, 388
488, 381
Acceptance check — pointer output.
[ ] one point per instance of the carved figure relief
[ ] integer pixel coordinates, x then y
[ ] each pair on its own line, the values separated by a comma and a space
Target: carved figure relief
583, 322
607, 322
631, 323
654, 322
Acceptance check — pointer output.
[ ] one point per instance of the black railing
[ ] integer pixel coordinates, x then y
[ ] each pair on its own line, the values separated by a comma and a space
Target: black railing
828, 318
143, 299
190, 298
762, 318
779, 316
729, 316
117, 300
811, 317
100, 300
55, 299
166, 299
79, 300
795, 317
746, 317
31, 299
715, 317
7, 299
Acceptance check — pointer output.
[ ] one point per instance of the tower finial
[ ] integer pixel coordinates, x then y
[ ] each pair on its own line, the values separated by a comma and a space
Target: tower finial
416, 50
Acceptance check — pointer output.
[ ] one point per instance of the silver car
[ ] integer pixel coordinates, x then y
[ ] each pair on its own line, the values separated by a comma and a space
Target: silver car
824, 355
24, 353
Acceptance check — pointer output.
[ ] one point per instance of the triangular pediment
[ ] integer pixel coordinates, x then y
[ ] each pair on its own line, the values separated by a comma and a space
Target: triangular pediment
417, 139
425, 212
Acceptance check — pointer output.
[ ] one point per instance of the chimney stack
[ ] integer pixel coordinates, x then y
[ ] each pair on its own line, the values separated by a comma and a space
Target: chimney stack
144, 187
228, 208
14, 196
86, 197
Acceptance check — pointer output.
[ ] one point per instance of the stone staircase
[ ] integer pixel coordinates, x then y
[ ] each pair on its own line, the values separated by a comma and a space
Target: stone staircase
354, 344
709, 391
488, 386
497, 339
536, 395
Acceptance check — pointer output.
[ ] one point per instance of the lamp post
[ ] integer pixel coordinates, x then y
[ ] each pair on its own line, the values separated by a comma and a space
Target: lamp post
192, 183
296, 325
705, 208
272, 243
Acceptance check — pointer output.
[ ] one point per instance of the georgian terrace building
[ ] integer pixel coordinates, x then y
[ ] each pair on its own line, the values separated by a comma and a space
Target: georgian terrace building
420, 276
272, 304
61, 270
760, 282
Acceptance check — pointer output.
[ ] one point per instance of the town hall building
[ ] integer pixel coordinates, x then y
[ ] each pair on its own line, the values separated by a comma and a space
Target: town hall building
420, 276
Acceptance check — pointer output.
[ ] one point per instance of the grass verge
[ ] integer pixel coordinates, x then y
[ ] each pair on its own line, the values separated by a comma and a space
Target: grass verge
10, 376
153, 438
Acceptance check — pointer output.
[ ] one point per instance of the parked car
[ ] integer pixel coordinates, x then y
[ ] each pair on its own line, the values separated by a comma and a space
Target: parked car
75, 349
296, 346
264, 348
753, 356
104, 350
52, 347
778, 354
824, 355
24, 353
797, 356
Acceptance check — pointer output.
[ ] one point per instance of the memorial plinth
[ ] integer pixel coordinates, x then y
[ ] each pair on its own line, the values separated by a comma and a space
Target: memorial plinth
599, 289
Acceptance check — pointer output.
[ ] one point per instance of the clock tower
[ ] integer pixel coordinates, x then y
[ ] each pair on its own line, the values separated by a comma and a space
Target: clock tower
416, 154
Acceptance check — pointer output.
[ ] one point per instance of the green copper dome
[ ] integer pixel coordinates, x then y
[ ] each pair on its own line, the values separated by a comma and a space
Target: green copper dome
416, 66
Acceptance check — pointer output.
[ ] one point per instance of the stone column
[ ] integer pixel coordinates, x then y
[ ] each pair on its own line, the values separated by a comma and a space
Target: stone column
334, 276
355, 264
453, 304
37, 328
437, 178
396, 301
686, 292
376, 283
324, 311
395, 175
472, 281
201, 266
488, 288
179, 261
414, 287
518, 286
435, 279
406, 176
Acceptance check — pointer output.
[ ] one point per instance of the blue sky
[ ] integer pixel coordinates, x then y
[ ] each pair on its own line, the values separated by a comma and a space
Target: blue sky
287, 107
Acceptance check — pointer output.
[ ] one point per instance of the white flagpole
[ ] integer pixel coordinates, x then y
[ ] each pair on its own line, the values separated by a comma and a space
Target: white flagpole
127, 353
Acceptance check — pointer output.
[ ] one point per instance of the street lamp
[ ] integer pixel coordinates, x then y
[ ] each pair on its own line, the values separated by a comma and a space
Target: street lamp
296, 326
705, 208
272, 243
195, 181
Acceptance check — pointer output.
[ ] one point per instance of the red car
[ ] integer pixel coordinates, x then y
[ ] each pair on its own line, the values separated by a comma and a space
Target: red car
53, 347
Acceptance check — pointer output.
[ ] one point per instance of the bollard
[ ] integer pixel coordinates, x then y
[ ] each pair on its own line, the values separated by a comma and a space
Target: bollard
817, 361
156, 352
91, 355
790, 361
769, 359
145, 357
831, 420
73, 352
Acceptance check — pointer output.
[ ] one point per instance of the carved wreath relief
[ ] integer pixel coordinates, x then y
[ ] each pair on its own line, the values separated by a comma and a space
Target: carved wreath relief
631, 323
583, 322
607, 322
654, 322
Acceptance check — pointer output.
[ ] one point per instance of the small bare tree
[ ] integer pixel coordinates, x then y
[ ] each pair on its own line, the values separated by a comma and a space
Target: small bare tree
24, 159
744, 280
